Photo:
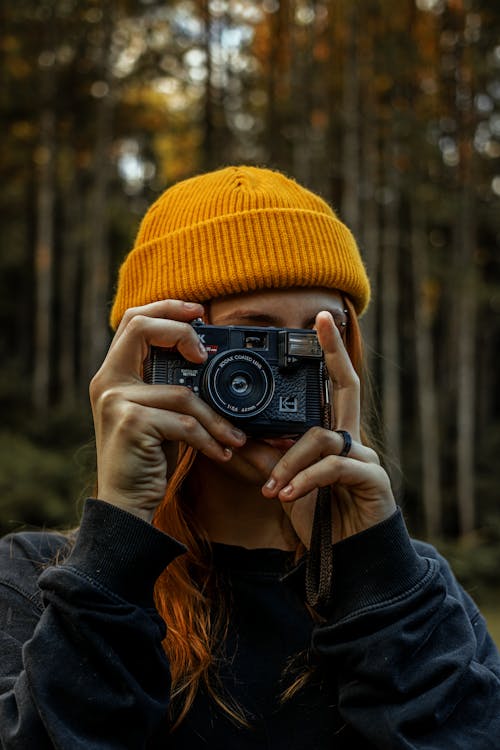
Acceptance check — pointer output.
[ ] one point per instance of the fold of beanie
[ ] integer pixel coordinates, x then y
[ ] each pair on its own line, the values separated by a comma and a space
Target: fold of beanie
238, 229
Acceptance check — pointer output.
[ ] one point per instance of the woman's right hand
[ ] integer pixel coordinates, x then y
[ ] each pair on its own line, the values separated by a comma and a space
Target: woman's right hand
139, 426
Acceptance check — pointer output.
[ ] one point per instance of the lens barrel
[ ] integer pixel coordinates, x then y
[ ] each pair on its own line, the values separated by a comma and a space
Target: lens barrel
238, 383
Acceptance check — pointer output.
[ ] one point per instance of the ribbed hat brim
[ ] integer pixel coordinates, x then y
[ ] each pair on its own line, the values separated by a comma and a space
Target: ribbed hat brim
243, 252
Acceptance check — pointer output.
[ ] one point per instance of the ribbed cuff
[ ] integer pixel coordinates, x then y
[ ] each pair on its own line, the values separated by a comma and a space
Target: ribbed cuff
369, 568
374, 567
121, 552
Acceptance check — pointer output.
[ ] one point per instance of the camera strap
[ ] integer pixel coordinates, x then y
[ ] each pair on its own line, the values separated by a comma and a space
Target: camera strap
319, 566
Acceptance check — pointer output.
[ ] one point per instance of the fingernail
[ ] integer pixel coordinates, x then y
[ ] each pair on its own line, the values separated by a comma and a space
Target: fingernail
228, 452
202, 349
238, 434
191, 305
270, 484
287, 490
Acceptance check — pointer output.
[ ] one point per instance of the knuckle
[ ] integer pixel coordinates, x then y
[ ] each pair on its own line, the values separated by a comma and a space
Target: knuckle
129, 314
317, 433
218, 425
189, 423
106, 400
144, 311
136, 323
185, 397
127, 416
373, 456
115, 410
283, 468
307, 477
95, 387
383, 476
188, 336
354, 388
219, 421
187, 329
349, 381
330, 462
355, 379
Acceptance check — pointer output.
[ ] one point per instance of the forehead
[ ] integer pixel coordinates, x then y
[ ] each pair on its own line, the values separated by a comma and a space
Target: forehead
279, 304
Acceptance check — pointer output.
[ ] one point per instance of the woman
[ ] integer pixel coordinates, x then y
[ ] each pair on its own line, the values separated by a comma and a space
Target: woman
205, 529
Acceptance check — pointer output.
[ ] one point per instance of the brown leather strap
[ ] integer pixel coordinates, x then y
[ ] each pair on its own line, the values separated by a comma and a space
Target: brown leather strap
319, 568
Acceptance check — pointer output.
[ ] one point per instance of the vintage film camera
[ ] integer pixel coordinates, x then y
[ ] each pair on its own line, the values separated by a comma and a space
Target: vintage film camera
269, 382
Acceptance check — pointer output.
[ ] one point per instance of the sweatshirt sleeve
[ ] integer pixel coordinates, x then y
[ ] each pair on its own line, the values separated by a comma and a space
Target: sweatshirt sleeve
409, 652
86, 668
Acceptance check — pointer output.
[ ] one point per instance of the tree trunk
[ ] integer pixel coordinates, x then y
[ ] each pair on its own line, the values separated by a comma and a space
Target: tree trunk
209, 135
278, 152
72, 211
370, 229
44, 252
391, 386
351, 127
95, 329
426, 387
465, 295
466, 376
301, 70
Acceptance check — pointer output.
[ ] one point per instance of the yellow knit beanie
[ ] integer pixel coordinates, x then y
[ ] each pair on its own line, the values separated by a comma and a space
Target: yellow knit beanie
238, 229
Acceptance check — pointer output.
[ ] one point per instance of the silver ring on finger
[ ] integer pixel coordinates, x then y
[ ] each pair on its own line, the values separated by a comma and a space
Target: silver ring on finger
346, 436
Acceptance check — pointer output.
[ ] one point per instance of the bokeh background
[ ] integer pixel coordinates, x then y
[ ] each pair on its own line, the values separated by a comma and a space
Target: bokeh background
390, 110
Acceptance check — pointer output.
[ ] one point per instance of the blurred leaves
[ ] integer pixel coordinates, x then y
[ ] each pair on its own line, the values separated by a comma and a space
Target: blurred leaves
39, 486
476, 561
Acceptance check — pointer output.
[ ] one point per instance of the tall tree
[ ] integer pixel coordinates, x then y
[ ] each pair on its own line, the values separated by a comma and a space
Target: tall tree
464, 298
390, 306
369, 230
429, 426
351, 145
44, 243
97, 254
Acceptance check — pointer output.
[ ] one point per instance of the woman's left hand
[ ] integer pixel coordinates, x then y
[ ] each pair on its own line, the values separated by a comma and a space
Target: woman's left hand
361, 490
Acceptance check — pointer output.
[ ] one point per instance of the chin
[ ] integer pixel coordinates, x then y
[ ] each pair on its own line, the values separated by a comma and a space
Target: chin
250, 464
254, 462
281, 444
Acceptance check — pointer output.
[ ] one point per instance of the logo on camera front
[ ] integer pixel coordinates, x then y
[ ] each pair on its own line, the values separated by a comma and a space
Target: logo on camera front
288, 404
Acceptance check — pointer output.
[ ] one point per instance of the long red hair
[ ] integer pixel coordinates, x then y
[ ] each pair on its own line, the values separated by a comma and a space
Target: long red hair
186, 590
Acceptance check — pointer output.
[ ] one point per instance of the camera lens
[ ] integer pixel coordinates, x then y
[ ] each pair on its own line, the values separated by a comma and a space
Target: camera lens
238, 382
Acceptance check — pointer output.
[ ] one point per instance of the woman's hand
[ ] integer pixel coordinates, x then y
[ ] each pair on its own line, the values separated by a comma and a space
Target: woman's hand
361, 490
139, 426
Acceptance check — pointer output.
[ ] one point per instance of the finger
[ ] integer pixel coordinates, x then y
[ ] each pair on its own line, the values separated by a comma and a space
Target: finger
169, 426
332, 470
172, 399
345, 381
172, 309
126, 356
316, 444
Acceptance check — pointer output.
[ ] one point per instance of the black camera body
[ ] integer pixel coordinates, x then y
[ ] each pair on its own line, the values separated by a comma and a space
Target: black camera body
269, 382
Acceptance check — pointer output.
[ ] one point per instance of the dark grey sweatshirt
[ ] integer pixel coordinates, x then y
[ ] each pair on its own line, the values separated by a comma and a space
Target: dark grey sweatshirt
401, 660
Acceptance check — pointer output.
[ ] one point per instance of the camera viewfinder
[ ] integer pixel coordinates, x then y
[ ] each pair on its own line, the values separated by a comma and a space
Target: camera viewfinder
256, 340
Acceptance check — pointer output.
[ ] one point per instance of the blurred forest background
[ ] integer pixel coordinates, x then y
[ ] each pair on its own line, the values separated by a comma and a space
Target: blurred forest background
390, 110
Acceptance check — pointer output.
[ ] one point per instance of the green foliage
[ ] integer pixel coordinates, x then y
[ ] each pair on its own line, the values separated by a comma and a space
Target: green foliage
40, 485
491, 613
476, 561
